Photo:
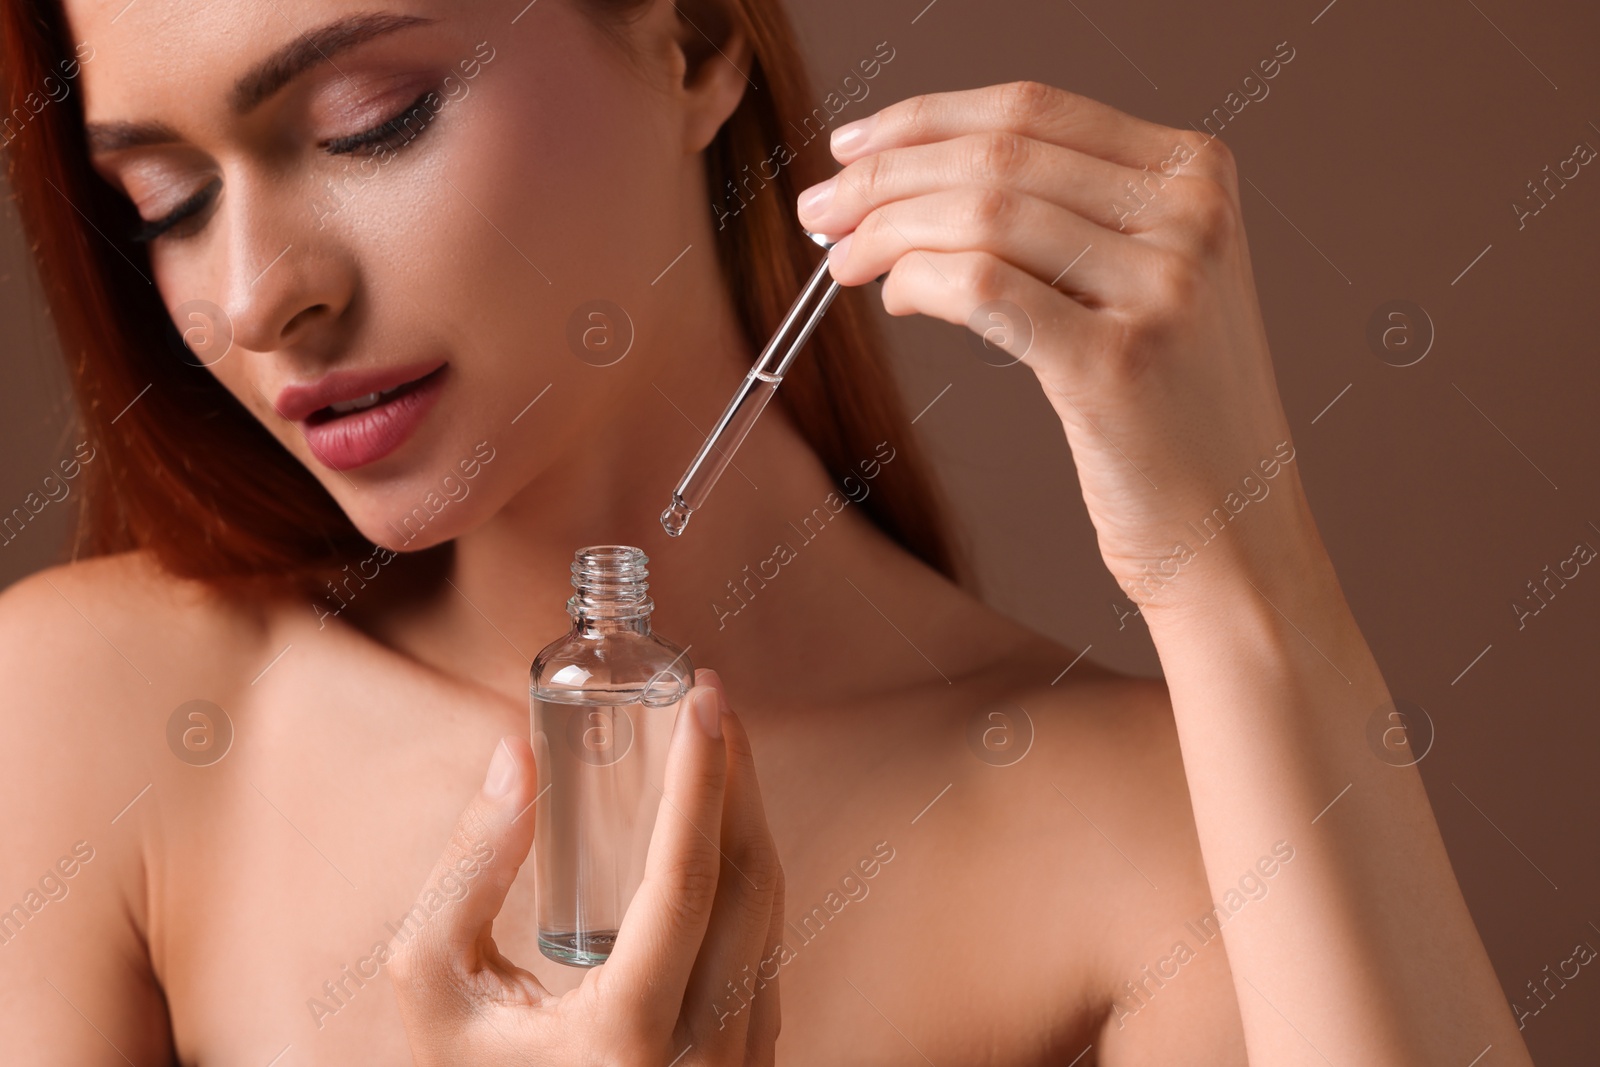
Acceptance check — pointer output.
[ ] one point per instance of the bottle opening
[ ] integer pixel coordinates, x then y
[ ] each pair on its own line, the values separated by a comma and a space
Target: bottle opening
610, 582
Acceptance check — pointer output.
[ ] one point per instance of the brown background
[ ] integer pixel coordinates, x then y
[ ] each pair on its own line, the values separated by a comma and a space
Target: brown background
1391, 149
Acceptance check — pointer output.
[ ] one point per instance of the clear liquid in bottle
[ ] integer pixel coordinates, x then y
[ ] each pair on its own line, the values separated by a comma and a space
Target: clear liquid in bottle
604, 701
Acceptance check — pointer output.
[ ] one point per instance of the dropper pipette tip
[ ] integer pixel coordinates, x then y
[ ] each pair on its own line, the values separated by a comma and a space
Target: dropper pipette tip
675, 518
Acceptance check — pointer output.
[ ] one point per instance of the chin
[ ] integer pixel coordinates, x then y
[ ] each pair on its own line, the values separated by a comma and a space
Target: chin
408, 531
431, 509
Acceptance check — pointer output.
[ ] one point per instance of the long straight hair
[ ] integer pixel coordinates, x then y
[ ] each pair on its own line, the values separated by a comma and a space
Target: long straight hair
183, 471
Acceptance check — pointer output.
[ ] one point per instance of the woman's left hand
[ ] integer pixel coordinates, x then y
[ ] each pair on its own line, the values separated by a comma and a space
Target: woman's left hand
1108, 254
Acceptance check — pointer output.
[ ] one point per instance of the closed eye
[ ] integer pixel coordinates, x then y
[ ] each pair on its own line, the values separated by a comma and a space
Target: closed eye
389, 136
193, 206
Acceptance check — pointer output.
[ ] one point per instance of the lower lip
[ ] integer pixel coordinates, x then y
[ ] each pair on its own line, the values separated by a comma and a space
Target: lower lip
364, 437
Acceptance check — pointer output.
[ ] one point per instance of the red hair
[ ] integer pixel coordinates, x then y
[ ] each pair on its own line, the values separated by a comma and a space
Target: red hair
185, 472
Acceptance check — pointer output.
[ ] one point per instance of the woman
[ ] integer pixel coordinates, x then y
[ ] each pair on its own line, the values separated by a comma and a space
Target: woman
382, 230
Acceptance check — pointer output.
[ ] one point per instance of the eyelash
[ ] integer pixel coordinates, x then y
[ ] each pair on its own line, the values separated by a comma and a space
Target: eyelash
391, 135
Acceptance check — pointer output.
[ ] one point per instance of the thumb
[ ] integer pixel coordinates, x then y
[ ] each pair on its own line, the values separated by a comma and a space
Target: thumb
446, 932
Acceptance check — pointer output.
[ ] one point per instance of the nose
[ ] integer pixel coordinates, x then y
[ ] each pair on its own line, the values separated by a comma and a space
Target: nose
287, 282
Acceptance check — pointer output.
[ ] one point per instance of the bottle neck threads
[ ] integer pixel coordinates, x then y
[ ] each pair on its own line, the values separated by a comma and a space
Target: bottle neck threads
611, 586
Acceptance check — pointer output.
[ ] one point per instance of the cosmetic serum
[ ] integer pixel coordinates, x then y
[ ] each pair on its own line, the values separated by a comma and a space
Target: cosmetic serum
604, 700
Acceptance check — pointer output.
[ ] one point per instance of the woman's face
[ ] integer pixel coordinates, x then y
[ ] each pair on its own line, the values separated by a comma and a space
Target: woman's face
424, 196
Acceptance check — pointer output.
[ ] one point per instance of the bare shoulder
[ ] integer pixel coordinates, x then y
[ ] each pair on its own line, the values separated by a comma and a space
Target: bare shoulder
119, 628
1087, 768
95, 658
127, 592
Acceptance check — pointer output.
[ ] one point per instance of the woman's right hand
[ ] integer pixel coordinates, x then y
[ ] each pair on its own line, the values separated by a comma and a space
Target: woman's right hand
710, 906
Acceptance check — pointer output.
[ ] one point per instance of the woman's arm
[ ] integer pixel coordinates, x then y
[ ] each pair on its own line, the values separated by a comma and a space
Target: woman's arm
76, 983
1108, 254
1365, 952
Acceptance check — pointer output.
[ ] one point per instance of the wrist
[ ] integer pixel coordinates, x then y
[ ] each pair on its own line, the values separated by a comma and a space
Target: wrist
1267, 565
1269, 629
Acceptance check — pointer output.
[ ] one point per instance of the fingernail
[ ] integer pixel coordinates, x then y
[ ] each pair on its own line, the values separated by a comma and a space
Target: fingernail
853, 135
840, 252
502, 770
708, 711
707, 676
816, 199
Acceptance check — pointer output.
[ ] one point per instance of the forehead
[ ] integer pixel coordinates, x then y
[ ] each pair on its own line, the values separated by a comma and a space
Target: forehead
161, 58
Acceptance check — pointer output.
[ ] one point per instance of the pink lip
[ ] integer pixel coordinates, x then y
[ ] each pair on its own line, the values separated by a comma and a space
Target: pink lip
298, 401
345, 442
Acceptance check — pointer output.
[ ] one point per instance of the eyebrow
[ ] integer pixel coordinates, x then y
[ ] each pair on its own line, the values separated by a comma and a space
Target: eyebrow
265, 78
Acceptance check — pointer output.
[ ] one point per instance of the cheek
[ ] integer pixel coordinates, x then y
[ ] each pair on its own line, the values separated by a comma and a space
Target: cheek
563, 184
556, 187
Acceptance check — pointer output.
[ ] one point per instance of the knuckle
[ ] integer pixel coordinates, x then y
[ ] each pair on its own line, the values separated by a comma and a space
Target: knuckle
1194, 145
475, 826
761, 866
1172, 288
1176, 283
868, 174
912, 114
996, 156
1220, 159
409, 970
1208, 215
988, 210
751, 907
1022, 101
979, 275
1209, 157
691, 883
875, 227
402, 969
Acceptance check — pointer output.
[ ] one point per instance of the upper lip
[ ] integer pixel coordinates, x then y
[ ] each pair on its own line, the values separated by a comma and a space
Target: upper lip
297, 401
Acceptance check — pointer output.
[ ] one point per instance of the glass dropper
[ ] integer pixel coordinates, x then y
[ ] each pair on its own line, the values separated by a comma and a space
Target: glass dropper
752, 395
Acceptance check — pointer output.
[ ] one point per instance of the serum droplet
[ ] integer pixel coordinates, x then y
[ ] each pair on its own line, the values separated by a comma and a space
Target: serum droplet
675, 518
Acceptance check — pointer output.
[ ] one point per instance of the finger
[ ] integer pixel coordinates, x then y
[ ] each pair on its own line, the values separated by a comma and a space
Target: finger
766, 1017
446, 935
1010, 308
1030, 108
1051, 243
729, 977
1107, 194
666, 922
766, 1012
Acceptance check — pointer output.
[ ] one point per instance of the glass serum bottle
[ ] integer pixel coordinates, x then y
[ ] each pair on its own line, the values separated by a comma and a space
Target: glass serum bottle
604, 698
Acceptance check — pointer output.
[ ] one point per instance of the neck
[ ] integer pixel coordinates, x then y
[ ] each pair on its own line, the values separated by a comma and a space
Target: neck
507, 580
